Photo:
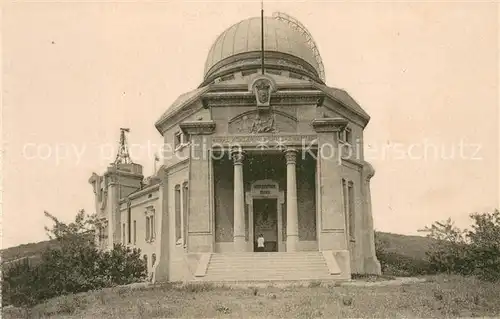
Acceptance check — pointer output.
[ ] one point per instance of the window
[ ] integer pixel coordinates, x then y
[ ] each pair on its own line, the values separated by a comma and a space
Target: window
146, 260
148, 231
295, 75
150, 224
153, 259
181, 139
185, 204
186, 138
153, 226
124, 235
177, 140
129, 223
248, 72
350, 195
135, 232
345, 136
227, 77
348, 135
177, 203
273, 72
345, 202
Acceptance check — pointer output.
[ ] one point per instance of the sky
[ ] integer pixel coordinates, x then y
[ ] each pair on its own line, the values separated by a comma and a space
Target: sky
73, 73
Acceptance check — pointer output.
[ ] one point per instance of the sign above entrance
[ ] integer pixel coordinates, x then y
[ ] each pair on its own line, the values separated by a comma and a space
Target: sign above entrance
265, 188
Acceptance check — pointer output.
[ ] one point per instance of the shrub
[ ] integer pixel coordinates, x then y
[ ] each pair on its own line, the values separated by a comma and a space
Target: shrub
473, 251
76, 266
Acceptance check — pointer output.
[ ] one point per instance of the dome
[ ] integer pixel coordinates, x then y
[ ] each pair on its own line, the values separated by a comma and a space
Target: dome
242, 41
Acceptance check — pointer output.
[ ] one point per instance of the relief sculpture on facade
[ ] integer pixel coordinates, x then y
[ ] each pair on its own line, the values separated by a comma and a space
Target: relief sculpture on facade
263, 124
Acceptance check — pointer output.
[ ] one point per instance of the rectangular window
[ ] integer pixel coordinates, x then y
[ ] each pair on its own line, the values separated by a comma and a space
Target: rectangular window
341, 136
350, 195
135, 232
184, 210
124, 234
345, 202
348, 136
129, 223
153, 228
147, 228
187, 138
177, 203
177, 140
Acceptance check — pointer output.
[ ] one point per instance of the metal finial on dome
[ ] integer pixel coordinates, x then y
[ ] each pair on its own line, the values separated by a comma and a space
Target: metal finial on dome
295, 24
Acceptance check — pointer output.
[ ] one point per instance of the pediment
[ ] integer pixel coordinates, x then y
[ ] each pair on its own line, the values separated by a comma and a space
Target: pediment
257, 122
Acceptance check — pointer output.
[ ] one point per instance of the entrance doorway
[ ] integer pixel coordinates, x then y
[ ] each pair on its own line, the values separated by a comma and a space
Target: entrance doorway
265, 222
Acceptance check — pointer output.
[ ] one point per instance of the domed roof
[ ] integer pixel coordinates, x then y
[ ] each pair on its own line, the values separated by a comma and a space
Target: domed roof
245, 37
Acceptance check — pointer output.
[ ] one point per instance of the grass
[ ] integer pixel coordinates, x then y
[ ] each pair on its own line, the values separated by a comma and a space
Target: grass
449, 296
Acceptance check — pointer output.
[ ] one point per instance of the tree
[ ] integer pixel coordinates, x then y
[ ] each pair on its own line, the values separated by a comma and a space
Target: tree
474, 251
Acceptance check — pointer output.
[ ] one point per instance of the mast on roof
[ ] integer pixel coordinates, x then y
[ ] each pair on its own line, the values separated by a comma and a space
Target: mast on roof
262, 34
123, 156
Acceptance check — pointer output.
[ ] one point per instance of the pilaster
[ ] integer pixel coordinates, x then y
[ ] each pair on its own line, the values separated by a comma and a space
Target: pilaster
200, 212
371, 263
333, 230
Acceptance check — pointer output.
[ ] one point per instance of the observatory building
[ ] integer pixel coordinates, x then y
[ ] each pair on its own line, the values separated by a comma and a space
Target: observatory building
262, 147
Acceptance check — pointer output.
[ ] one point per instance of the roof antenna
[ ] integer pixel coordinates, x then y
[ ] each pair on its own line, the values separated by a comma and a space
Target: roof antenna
123, 156
262, 33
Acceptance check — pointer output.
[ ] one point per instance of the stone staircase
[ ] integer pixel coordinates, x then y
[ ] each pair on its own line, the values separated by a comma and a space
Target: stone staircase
273, 266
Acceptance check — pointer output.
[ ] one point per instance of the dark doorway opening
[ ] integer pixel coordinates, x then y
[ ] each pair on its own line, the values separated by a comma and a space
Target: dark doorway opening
265, 222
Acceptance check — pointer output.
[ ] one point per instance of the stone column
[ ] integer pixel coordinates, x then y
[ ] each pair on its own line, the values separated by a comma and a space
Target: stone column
292, 224
239, 202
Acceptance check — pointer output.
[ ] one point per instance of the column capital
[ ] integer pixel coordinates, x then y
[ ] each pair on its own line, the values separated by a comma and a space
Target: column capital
238, 156
291, 155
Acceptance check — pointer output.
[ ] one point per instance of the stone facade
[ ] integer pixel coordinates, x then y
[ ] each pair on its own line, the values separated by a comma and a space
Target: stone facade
250, 153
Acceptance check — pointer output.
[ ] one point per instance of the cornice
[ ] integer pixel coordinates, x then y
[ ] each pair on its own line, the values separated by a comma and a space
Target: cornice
284, 97
141, 192
198, 127
252, 60
113, 171
329, 124
177, 166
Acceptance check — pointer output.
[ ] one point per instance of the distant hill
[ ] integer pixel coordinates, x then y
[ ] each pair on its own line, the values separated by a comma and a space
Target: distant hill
31, 251
411, 246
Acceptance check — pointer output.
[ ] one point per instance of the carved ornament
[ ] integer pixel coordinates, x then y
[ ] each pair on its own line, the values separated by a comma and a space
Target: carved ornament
262, 86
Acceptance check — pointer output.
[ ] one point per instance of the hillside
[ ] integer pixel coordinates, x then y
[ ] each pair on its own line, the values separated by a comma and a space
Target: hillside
411, 246
31, 250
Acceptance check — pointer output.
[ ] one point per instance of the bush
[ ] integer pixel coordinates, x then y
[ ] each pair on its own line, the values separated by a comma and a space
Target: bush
76, 266
62, 272
467, 252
